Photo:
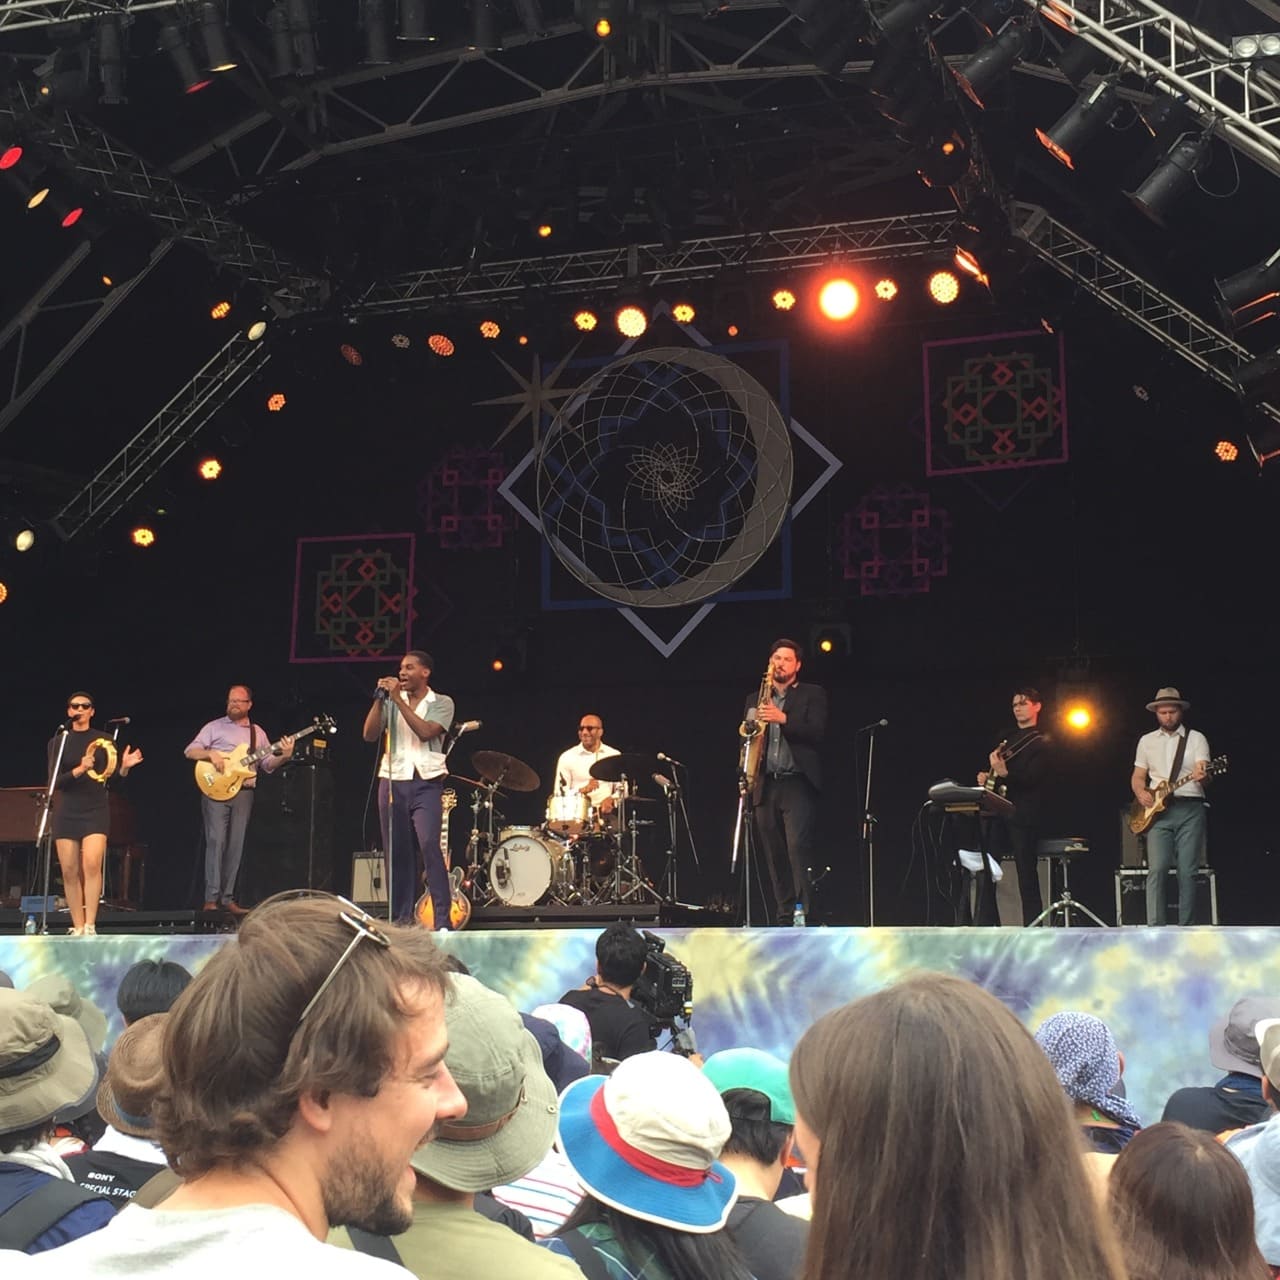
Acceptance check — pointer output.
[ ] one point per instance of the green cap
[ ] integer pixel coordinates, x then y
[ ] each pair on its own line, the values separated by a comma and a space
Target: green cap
754, 1069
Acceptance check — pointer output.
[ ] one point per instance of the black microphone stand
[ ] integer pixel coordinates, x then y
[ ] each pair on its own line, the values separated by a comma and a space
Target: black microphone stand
869, 829
44, 839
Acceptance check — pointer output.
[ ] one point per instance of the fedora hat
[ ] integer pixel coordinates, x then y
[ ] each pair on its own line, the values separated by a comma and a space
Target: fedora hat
647, 1139
55, 991
1166, 697
46, 1065
135, 1075
511, 1103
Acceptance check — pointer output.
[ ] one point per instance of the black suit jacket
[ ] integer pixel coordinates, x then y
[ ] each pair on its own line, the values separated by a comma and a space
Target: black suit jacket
806, 727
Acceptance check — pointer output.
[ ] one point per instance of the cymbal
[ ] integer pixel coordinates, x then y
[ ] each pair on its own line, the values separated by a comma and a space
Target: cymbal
633, 764
505, 770
471, 782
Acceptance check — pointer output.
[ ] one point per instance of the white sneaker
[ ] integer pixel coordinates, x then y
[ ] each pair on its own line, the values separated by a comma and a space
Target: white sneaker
90, 931
76, 932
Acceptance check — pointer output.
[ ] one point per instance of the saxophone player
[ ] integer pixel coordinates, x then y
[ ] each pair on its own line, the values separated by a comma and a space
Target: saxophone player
788, 782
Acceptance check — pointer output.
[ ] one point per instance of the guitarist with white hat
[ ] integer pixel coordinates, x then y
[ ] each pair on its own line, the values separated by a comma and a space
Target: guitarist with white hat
1168, 754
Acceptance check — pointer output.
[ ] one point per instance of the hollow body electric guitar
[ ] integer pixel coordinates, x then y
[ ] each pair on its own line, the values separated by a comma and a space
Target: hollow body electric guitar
225, 783
1142, 816
459, 903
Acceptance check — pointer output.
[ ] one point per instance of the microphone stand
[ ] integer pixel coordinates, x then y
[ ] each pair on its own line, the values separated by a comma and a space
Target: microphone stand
869, 830
388, 720
44, 839
742, 832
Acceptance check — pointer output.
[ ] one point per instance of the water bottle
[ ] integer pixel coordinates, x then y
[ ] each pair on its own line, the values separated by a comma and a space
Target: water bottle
797, 919
30, 926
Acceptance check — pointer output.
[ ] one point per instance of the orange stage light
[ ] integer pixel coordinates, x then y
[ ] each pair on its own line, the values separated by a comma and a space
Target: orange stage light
4, 593
498, 665
944, 288
838, 299
1079, 717
732, 331
276, 401
220, 310
490, 328
523, 339
585, 320
351, 355
1226, 451
631, 321
886, 289
441, 344
209, 468
142, 536
783, 299
604, 28
544, 230
683, 313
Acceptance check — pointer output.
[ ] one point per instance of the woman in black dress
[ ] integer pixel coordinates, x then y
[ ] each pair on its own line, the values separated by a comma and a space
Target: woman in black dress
80, 815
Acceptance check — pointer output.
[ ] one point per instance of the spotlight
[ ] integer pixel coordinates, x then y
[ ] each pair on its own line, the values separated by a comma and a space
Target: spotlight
544, 230
209, 469
72, 216
901, 20
523, 340
944, 287
683, 312
24, 539
603, 28
142, 535
831, 640
4, 593
220, 309
276, 401
400, 341
111, 61
1264, 443
838, 299
733, 331
631, 320
1249, 295
441, 344
490, 329
783, 300
10, 156
1077, 59
1226, 451
36, 192
376, 25
946, 159
255, 331
497, 666
585, 321
1247, 48
982, 72
1090, 114
175, 44
415, 21
483, 35
281, 41
351, 355
217, 48
886, 289
1171, 176
1259, 379
1078, 717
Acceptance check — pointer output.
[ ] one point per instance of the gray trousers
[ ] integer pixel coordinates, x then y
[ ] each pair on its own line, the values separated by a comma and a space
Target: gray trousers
225, 822
1178, 833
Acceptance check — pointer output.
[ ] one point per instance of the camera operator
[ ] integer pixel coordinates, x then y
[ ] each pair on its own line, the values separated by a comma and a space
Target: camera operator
619, 1028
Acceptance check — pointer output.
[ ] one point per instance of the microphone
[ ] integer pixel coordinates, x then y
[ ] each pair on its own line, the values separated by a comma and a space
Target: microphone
468, 725
666, 759
119, 720
381, 694
875, 724
663, 781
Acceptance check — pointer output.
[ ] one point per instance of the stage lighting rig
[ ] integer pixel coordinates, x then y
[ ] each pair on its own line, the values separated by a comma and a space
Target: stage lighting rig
1171, 176
375, 26
1092, 111
1264, 443
415, 21
1259, 379
173, 41
213, 31
945, 158
986, 68
631, 320
1250, 295
110, 52
1253, 48
838, 299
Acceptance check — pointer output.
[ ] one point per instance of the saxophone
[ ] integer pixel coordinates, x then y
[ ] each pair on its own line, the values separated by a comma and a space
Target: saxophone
753, 732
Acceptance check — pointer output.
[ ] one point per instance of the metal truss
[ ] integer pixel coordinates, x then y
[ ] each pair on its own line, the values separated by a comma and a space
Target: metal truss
180, 214
1239, 101
1132, 297
909, 235
19, 15
178, 423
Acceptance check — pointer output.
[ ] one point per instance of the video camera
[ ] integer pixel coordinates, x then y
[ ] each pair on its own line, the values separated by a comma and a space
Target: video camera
664, 990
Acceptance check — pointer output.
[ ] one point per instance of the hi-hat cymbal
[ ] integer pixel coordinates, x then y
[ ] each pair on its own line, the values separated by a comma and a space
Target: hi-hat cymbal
630, 764
505, 770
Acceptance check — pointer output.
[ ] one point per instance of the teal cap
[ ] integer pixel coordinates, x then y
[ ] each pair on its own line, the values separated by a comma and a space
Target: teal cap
754, 1069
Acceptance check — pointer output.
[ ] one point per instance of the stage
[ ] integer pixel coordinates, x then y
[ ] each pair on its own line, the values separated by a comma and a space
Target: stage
1158, 989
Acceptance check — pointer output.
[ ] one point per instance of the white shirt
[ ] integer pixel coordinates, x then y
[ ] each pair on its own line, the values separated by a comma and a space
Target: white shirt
411, 757
1156, 751
573, 771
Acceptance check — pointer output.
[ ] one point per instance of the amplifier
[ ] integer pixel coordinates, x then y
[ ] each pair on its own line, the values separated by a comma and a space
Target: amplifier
368, 879
1131, 895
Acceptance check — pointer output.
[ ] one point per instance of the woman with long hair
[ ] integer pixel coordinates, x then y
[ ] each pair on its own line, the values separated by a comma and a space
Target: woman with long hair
81, 816
939, 1145
645, 1143
1183, 1208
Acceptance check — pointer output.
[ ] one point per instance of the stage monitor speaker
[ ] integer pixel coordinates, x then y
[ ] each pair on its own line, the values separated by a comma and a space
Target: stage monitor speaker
368, 886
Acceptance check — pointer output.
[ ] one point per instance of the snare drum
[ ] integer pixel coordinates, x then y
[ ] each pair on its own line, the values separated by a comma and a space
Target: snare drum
567, 814
525, 865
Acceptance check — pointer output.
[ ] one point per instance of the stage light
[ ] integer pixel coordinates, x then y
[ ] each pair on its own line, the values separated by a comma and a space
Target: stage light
838, 299
523, 340
10, 156
901, 20
1259, 379
24, 539
38, 194
631, 321
375, 22
400, 341
944, 287
441, 344
351, 355
415, 22
603, 28
986, 68
945, 160
1249, 295
220, 309
1087, 118
1247, 48
281, 41
217, 48
886, 289
490, 329
733, 331
1226, 451
142, 535
302, 30
175, 44
684, 313
255, 331
1264, 443
276, 401
72, 216
1078, 717
585, 320
4, 593
783, 299
497, 665
831, 640
1176, 171
483, 35
209, 469
544, 230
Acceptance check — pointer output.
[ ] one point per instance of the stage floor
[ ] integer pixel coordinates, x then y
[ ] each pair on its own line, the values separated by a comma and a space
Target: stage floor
1158, 989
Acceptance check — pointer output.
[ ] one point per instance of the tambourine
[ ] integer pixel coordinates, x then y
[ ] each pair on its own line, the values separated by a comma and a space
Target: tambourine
110, 748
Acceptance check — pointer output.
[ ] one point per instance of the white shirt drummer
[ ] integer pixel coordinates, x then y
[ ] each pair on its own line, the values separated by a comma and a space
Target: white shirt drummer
573, 768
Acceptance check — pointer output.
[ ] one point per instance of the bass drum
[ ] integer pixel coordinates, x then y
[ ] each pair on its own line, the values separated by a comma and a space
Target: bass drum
525, 865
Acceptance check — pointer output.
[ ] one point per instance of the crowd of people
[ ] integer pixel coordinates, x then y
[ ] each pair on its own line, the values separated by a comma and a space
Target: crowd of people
338, 1096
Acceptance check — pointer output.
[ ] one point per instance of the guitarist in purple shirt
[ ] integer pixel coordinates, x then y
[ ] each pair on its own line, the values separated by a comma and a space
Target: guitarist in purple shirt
226, 821
1168, 754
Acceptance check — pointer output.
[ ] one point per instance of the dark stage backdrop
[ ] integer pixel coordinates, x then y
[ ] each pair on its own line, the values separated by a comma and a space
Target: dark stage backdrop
956, 581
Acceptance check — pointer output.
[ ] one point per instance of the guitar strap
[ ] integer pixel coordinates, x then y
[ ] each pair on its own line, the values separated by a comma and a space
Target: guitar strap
1176, 772
253, 746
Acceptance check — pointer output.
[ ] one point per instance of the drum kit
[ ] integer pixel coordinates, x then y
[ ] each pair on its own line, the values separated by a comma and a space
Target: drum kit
580, 855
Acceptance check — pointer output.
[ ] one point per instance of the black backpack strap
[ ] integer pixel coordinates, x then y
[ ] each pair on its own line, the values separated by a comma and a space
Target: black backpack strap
584, 1254
375, 1245
23, 1223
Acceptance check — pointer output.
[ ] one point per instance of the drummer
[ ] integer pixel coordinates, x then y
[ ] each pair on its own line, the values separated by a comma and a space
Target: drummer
573, 768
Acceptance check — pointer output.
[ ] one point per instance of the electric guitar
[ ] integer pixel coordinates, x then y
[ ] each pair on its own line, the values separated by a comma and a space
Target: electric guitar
459, 903
225, 783
1142, 816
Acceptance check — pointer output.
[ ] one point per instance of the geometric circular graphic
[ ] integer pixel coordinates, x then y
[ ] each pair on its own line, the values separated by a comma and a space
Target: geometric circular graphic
665, 477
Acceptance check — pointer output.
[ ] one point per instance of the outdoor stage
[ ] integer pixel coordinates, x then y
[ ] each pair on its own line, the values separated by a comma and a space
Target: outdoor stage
1158, 989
